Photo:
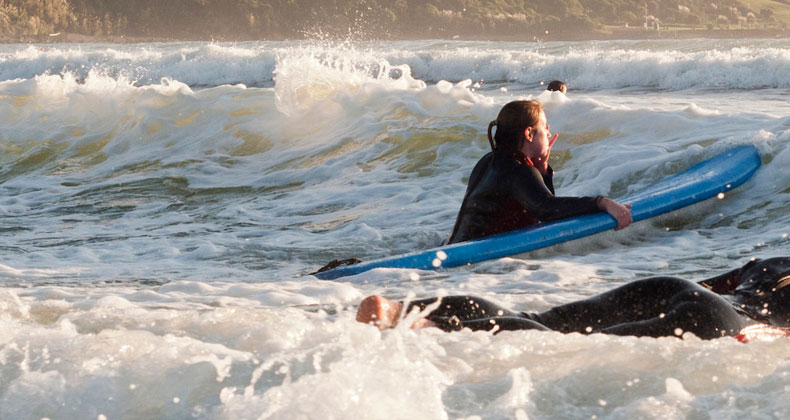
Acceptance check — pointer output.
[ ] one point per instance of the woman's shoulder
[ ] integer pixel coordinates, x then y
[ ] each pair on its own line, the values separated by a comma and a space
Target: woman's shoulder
504, 169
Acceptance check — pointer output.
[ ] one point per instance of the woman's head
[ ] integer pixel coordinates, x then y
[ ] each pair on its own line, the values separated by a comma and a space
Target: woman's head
513, 119
765, 290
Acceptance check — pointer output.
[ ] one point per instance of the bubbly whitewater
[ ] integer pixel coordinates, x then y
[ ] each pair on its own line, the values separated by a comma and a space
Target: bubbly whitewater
161, 206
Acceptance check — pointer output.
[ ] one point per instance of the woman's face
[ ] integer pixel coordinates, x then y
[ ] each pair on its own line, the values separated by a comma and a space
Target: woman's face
538, 145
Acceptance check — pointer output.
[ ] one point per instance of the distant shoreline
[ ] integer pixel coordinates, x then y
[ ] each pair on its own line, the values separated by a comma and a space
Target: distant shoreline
613, 34
671, 33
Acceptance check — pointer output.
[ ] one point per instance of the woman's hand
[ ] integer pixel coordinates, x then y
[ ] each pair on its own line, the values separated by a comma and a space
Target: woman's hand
620, 212
542, 162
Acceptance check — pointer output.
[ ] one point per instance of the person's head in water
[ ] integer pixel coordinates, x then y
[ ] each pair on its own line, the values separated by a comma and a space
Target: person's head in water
764, 290
557, 86
521, 128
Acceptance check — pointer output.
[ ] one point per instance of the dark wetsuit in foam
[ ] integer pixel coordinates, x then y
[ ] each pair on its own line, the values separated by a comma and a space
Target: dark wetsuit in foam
655, 307
506, 192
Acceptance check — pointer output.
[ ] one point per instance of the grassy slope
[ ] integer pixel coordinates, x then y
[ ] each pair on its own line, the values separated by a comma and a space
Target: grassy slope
781, 10
781, 16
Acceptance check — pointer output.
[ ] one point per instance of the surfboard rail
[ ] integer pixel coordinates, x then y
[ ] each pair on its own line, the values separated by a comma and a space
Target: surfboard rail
699, 182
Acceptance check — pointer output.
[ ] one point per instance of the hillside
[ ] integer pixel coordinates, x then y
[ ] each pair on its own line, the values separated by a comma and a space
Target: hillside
59, 20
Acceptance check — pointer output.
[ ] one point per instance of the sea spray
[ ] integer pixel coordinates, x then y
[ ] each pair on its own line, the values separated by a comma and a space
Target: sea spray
161, 209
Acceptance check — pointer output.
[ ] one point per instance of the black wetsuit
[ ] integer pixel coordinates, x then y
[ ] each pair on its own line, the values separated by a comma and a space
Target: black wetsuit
655, 307
505, 192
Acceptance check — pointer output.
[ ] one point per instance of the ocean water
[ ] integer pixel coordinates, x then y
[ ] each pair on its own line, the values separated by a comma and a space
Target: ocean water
162, 204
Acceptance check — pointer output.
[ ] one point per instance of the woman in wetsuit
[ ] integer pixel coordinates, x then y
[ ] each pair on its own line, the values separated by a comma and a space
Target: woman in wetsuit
511, 187
756, 293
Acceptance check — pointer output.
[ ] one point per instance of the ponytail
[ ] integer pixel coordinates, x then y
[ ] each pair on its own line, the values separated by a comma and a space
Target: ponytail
490, 137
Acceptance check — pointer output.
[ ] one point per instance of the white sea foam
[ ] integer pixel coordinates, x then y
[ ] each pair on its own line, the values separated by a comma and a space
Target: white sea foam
162, 204
668, 64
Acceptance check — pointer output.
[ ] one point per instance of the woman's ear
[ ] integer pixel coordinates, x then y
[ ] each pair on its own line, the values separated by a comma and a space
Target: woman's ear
528, 134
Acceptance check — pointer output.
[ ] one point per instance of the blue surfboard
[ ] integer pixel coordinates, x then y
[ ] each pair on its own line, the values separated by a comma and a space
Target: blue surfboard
697, 183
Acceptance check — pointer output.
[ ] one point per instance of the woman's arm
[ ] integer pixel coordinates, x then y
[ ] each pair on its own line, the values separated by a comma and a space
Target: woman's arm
530, 190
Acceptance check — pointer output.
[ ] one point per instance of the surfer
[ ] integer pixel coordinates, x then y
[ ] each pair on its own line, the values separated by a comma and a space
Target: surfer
557, 86
745, 299
511, 187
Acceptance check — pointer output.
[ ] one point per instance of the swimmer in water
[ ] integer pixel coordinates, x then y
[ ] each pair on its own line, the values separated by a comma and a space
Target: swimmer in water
754, 295
557, 86
511, 187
